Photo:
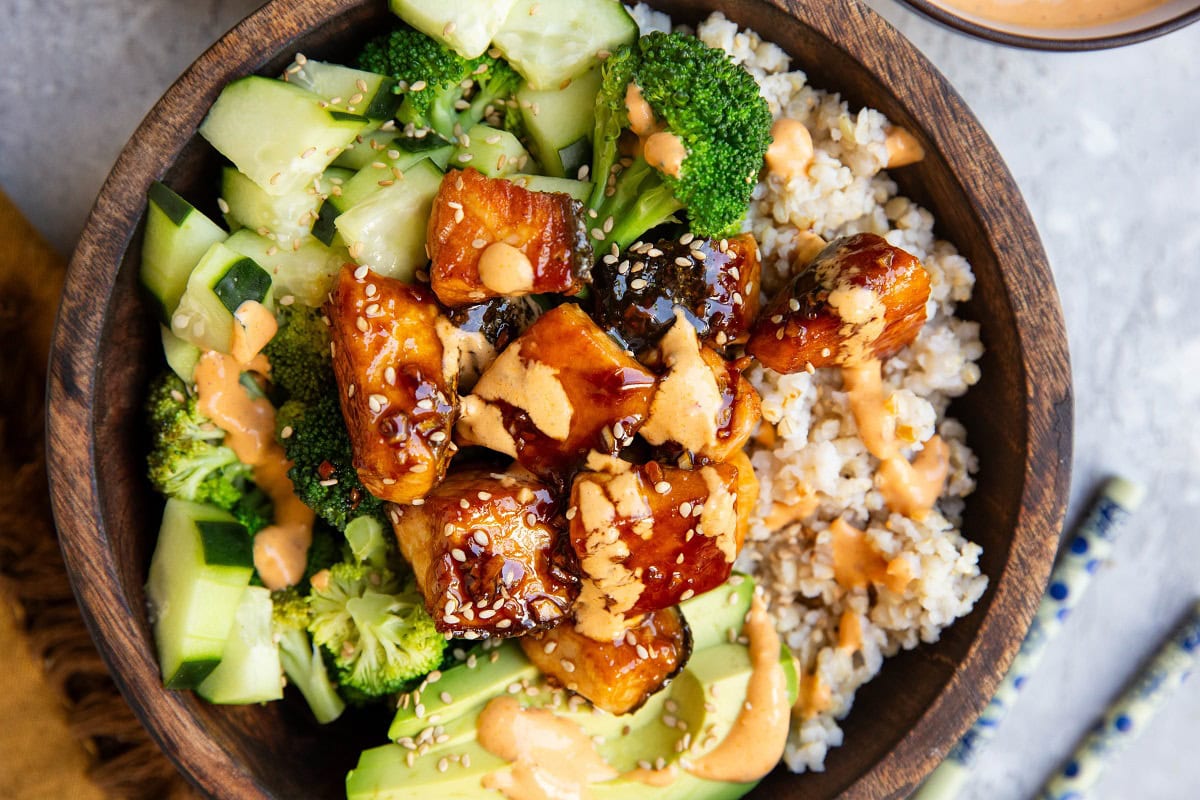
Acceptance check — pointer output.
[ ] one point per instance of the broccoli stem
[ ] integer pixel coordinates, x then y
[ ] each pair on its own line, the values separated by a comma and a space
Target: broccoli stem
642, 201
305, 668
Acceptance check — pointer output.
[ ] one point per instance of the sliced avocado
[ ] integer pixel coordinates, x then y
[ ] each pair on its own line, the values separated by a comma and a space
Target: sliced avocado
383, 773
712, 615
468, 687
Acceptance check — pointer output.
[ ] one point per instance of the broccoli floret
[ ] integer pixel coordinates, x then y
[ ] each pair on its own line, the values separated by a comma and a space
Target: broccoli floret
375, 627
318, 445
187, 458
254, 510
301, 365
714, 108
432, 76
302, 660
309, 423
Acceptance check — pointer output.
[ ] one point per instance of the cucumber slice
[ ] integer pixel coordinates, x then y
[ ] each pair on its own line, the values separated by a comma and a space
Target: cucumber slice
493, 152
278, 135
221, 282
375, 175
580, 190
182, 356
286, 217
387, 230
249, 670
366, 148
551, 43
304, 273
201, 567
353, 90
176, 237
560, 123
465, 26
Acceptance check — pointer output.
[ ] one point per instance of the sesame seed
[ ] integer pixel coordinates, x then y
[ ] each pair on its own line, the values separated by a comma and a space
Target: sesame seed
465, 157
437, 436
608, 225
794, 304
487, 613
662, 487
443, 764
274, 179
549, 647
687, 595
485, 496
418, 468
418, 86
361, 324
420, 501
637, 284
221, 204
458, 555
350, 391
389, 375
687, 238
597, 234
372, 309
567, 665
571, 513
481, 538
389, 481
360, 273
504, 623
463, 504
654, 252
685, 509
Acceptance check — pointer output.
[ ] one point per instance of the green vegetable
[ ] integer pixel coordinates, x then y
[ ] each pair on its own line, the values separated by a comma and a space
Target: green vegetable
712, 105
301, 365
302, 660
375, 627
416, 60
188, 461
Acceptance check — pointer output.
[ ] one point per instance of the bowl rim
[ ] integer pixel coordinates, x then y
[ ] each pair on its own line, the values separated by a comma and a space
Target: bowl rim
961, 24
74, 464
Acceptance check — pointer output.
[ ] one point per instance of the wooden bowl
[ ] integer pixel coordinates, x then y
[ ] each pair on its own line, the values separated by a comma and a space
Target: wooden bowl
106, 348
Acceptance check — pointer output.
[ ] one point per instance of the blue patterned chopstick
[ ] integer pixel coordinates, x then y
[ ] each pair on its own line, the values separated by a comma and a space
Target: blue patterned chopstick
1090, 545
1126, 717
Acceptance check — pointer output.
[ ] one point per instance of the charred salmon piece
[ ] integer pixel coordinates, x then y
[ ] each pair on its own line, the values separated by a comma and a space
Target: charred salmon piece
620, 674
560, 390
702, 407
489, 554
859, 299
648, 537
483, 330
747, 493
396, 395
489, 237
715, 283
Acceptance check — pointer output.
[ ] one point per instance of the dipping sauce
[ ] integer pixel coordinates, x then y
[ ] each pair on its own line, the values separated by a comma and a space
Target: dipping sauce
1051, 14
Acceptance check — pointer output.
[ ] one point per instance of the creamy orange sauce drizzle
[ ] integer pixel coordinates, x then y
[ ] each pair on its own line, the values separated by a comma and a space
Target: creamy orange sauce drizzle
641, 115
850, 632
902, 148
665, 152
755, 744
552, 758
505, 269
910, 489
280, 550
856, 563
1053, 13
813, 698
791, 149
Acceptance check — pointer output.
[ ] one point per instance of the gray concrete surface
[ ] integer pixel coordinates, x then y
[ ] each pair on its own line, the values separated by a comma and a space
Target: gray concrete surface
1105, 147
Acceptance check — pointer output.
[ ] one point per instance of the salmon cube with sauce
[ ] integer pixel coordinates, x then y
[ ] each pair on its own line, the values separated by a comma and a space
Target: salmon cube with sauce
648, 537
714, 283
489, 237
489, 554
561, 389
620, 674
397, 396
703, 406
860, 299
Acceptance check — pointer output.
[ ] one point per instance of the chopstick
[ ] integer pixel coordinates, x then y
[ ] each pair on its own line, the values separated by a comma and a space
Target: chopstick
1128, 715
1090, 545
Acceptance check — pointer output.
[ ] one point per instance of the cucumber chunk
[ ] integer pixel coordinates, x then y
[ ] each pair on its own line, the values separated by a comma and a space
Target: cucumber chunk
286, 217
381, 171
221, 282
352, 90
465, 26
386, 231
278, 135
551, 43
249, 670
366, 148
580, 190
304, 273
560, 123
182, 356
200, 568
493, 152
177, 236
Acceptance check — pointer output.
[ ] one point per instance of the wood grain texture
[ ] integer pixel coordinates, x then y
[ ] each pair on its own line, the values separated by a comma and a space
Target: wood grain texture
1018, 417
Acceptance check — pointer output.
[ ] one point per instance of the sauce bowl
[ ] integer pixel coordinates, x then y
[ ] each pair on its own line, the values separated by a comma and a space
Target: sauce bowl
1165, 16
1018, 418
